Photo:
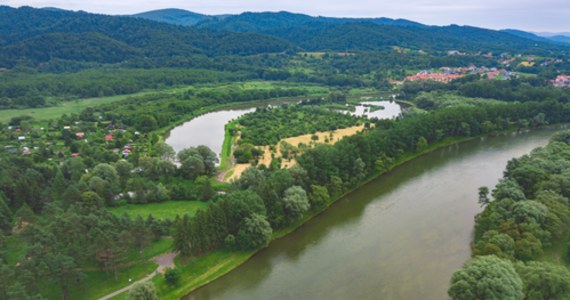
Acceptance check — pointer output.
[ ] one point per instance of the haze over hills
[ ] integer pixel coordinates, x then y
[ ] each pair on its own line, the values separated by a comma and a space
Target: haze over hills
544, 37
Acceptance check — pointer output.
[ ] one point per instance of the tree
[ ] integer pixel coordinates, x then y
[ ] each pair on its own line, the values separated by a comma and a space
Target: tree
6, 216
240, 205
24, 215
172, 276
124, 169
70, 196
209, 157
544, 281
295, 202
507, 188
106, 172
495, 243
422, 144
486, 277
164, 151
91, 199
254, 232
143, 291
59, 184
484, 196
206, 190
182, 236
319, 196
63, 270
192, 167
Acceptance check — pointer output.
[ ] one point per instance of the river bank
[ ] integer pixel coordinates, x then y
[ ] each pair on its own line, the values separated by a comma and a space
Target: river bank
220, 257
397, 237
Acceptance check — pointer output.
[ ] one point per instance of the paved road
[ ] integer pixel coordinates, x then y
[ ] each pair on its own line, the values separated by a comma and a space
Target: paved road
164, 262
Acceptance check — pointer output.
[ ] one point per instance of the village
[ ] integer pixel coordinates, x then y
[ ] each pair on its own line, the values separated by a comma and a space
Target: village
93, 140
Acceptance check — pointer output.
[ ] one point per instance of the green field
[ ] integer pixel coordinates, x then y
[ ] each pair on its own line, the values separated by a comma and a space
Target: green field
162, 211
98, 283
48, 113
200, 271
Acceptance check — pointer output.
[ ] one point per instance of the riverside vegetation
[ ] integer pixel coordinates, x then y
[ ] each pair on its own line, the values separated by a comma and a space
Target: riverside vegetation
78, 187
521, 239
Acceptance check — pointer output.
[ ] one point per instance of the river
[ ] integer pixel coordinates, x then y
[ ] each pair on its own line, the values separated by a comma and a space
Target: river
401, 236
209, 129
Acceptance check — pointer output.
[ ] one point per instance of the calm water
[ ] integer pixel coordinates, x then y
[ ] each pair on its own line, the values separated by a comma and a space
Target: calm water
207, 129
399, 237
390, 111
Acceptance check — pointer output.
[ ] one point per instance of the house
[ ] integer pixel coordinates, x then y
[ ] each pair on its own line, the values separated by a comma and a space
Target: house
74, 154
80, 135
562, 81
437, 77
108, 137
66, 127
21, 138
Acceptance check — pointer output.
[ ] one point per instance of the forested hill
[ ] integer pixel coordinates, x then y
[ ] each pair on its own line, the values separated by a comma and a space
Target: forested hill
38, 35
320, 33
174, 16
270, 22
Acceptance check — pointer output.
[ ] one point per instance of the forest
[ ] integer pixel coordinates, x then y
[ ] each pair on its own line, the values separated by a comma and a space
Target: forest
72, 186
521, 238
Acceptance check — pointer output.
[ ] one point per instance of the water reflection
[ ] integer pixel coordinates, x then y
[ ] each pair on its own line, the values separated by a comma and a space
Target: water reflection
398, 237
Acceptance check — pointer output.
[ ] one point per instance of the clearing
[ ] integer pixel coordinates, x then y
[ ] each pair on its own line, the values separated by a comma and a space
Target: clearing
330, 137
161, 210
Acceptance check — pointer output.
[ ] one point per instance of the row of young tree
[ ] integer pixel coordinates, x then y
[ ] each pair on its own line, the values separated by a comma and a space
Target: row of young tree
530, 214
267, 126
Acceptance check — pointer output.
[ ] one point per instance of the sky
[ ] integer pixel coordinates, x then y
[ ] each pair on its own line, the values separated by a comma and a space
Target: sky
530, 15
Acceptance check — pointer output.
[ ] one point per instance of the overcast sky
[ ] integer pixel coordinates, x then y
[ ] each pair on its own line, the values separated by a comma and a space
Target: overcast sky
532, 15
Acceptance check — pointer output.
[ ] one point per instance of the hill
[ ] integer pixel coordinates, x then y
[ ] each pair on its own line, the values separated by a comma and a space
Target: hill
342, 34
174, 16
560, 38
35, 36
546, 38
269, 22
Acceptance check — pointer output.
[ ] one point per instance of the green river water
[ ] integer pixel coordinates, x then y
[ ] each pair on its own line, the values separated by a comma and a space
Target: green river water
400, 236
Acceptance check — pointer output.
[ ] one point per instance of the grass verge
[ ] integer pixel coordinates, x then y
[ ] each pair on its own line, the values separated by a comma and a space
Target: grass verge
162, 210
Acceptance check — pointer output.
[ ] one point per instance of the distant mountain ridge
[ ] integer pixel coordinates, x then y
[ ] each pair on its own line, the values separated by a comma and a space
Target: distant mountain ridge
344, 34
263, 22
34, 36
174, 16
40, 35
543, 37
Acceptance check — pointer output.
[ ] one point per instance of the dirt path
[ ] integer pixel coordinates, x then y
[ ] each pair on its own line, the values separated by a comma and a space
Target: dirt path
164, 262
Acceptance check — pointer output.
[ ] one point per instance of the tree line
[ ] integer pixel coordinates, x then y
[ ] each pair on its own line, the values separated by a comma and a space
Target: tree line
529, 214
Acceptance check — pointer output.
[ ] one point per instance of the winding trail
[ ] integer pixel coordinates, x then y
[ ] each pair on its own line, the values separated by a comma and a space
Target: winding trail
164, 262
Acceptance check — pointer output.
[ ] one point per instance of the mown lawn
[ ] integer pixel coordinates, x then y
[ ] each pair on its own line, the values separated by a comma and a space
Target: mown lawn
200, 271
162, 211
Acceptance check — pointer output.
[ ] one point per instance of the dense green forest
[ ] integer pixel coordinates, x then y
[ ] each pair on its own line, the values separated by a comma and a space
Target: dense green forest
521, 238
37, 36
319, 33
62, 178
